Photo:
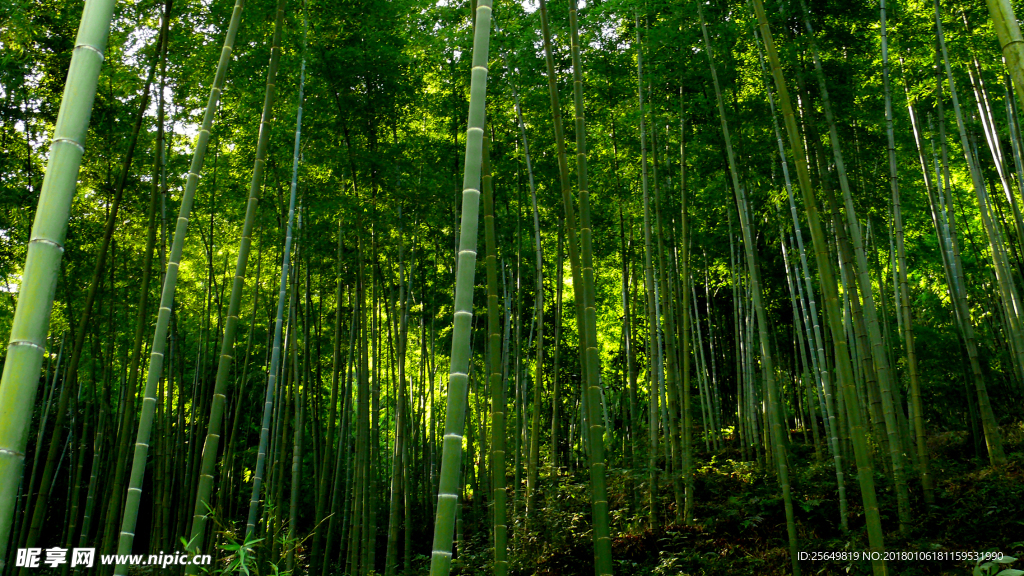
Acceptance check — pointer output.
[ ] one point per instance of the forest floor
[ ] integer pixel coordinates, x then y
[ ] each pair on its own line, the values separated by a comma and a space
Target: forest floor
740, 521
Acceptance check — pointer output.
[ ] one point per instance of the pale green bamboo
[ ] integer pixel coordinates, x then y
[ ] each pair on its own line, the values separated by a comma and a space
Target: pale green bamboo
1010, 40
42, 261
65, 405
829, 287
993, 441
212, 443
775, 419
275, 355
451, 456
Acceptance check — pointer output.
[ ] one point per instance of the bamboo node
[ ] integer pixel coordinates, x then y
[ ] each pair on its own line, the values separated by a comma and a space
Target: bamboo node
48, 241
69, 141
93, 48
25, 343
15, 453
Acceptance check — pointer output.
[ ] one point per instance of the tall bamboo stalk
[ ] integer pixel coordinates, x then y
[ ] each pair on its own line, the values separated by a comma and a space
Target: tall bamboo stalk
532, 465
497, 387
993, 441
776, 419
275, 355
828, 284
569, 220
652, 449
26, 346
686, 418
226, 358
596, 403
451, 458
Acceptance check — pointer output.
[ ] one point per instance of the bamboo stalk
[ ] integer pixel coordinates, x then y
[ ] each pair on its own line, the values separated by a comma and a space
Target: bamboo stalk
226, 357
774, 400
451, 459
828, 283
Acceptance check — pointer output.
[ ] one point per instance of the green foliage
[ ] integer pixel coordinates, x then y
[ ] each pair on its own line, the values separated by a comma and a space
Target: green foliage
241, 558
997, 567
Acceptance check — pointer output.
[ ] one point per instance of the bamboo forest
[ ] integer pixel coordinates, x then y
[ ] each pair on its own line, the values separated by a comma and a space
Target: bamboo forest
511, 287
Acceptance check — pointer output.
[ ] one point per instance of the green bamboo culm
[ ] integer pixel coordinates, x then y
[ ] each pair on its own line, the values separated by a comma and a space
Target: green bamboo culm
42, 262
275, 355
1010, 40
830, 290
210, 447
451, 455
775, 417
598, 487
65, 406
652, 429
498, 404
1004, 279
134, 495
141, 317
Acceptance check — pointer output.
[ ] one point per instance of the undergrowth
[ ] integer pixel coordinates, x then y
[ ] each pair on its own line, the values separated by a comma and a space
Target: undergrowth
740, 523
